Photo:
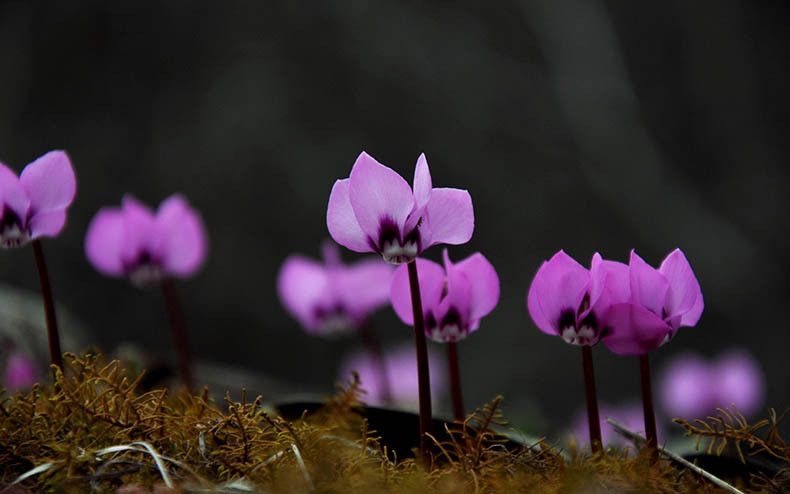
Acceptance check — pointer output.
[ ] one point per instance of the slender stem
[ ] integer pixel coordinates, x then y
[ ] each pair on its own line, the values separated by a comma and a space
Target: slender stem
423, 377
53, 336
179, 328
373, 348
455, 381
647, 402
592, 399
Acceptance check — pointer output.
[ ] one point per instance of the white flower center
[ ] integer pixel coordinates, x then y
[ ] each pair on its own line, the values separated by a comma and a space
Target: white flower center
146, 274
585, 335
446, 332
395, 253
334, 324
13, 236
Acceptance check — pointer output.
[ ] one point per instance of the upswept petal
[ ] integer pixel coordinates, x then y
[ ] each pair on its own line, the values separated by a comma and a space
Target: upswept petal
458, 298
451, 217
49, 182
484, 283
105, 240
431, 278
739, 380
631, 329
610, 283
341, 221
302, 285
648, 287
363, 286
684, 290
141, 232
687, 387
12, 194
377, 192
47, 224
559, 285
184, 236
422, 182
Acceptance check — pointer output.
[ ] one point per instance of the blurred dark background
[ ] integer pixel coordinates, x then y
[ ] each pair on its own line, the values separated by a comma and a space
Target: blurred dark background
578, 124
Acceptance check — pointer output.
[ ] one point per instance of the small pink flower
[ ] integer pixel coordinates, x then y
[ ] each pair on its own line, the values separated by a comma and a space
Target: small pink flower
20, 373
330, 297
454, 297
375, 210
134, 242
34, 204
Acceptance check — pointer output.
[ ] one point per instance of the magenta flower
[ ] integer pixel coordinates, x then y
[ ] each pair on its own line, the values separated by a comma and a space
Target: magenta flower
454, 297
661, 301
133, 242
739, 380
34, 204
401, 373
20, 373
330, 297
375, 210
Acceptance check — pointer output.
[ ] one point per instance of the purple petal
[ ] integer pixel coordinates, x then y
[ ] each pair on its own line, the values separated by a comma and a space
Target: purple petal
47, 224
49, 182
302, 285
450, 216
363, 287
633, 329
484, 284
431, 278
105, 240
377, 192
648, 286
687, 387
422, 182
141, 232
610, 283
739, 381
20, 373
457, 299
559, 285
684, 297
341, 221
184, 237
12, 194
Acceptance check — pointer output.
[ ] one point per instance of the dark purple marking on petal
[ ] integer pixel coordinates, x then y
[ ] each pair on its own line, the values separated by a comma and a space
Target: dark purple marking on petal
13, 231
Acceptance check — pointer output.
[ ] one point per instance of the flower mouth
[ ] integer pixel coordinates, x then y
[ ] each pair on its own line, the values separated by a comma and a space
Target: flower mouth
396, 253
13, 236
145, 274
580, 333
446, 333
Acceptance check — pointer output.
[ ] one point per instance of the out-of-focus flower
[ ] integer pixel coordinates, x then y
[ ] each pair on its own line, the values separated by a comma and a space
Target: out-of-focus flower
401, 372
134, 242
630, 415
34, 204
661, 301
20, 372
375, 210
692, 387
454, 297
330, 297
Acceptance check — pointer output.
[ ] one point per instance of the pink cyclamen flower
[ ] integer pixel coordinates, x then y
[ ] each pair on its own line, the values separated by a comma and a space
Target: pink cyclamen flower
375, 210
34, 204
568, 300
330, 297
401, 373
454, 297
20, 373
134, 242
661, 301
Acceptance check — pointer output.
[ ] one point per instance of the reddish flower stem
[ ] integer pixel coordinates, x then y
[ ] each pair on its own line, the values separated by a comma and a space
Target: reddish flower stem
373, 348
423, 377
651, 432
179, 329
55, 354
455, 381
593, 418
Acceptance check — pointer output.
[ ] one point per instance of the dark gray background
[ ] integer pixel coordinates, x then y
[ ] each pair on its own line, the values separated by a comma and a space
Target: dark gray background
578, 124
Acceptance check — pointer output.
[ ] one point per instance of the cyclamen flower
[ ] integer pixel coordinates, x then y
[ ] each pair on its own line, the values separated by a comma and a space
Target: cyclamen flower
629, 415
660, 301
375, 210
330, 297
454, 297
34, 204
134, 242
20, 373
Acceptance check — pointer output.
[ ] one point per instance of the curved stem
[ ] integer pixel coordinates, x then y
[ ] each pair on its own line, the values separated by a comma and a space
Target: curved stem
647, 402
423, 377
455, 381
373, 347
593, 418
55, 354
179, 329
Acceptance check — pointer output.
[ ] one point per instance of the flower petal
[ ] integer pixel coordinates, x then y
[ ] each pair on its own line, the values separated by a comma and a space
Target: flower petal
105, 240
364, 286
610, 283
431, 278
687, 387
341, 221
684, 291
184, 237
648, 286
142, 234
302, 285
422, 182
559, 285
739, 380
484, 283
12, 194
49, 182
451, 217
631, 329
377, 192
47, 223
